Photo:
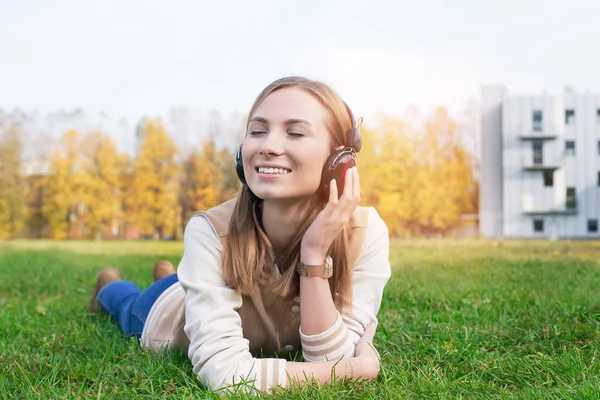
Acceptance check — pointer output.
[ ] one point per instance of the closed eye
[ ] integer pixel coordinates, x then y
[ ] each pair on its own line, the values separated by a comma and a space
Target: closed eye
256, 132
295, 134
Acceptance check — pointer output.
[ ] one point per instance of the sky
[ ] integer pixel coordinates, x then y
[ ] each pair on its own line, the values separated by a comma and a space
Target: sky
130, 58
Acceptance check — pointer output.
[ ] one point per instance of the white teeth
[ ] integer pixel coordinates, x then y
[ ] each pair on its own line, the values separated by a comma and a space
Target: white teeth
265, 170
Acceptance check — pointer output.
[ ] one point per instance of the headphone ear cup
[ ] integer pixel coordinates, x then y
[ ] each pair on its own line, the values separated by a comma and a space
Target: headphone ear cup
239, 165
335, 168
239, 169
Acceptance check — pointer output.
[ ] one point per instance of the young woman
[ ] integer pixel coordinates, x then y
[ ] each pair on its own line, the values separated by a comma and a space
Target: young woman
292, 264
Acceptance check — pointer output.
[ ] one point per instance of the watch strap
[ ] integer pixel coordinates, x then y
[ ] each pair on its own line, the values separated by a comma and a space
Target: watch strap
324, 270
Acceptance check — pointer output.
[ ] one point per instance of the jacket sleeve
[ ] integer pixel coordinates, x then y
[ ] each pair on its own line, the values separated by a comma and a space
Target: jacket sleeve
370, 274
218, 351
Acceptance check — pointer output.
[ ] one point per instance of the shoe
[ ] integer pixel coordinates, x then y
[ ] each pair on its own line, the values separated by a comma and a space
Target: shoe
161, 269
105, 276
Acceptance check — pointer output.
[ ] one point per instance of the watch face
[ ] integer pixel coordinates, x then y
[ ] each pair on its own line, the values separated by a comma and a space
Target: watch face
329, 265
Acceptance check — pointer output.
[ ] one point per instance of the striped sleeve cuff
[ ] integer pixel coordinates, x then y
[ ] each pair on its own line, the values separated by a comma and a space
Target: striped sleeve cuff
261, 374
332, 344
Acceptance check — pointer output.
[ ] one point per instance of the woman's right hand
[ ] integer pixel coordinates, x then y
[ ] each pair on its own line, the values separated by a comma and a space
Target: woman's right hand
366, 361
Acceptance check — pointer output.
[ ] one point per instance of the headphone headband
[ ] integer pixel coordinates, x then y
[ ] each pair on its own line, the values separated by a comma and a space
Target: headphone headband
353, 137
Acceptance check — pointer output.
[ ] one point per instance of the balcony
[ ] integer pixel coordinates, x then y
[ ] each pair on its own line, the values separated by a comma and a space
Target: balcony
540, 167
536, 132
538, 136
563, 211
530, 208
538, 162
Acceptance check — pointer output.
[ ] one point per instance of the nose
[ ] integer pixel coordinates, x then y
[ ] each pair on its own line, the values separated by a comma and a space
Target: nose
271, 145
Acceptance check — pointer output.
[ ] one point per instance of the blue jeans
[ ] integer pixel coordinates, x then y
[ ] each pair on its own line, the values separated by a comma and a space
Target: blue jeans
129, 306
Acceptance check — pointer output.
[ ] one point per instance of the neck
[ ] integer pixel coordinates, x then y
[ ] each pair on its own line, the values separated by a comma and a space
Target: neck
282, 222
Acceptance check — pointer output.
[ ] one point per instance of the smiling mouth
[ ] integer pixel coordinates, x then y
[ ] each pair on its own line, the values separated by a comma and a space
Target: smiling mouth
273, 171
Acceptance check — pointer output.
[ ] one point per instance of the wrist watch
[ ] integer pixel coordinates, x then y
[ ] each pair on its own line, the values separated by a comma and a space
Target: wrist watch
324, 270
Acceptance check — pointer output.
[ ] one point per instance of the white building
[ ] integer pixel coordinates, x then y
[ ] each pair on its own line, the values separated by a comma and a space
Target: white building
540, 165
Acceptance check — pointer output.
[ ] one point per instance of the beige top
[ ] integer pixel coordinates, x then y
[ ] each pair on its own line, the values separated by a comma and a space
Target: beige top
228, 335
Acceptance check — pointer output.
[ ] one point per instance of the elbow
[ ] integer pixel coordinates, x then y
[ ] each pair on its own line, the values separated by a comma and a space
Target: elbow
239, 372
224, 383
219, 371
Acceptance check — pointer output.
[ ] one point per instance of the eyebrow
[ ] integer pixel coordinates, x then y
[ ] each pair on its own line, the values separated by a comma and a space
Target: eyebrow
290, 121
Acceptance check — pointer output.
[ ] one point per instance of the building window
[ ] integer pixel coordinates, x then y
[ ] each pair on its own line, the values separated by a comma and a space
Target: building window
599, 147
570, 117
592, 225
548, 178
598, 178
538, 225
571, 198
598, 116
538, 152
570, 147
537, 120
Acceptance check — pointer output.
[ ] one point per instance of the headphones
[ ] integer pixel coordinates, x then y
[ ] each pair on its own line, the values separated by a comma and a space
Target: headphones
335, 167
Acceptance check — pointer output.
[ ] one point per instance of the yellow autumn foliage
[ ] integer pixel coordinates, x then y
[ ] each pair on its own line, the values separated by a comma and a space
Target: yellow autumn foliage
153, 190
62, 187
420, 182
13, 209
202, 181
102, 190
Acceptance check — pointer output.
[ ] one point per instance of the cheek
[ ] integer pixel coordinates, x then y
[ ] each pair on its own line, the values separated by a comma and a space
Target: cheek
316, 167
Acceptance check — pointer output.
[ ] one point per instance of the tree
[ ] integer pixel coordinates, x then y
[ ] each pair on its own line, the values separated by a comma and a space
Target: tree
230, 183
448, 175
103, 166
401, 183
152, 194
420, 182
62, 187
12, 184
388, 169
202, 181
368, 168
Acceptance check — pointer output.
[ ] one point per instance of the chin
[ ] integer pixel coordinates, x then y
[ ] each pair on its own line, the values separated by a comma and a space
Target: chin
282, 193
272, 196
284, 197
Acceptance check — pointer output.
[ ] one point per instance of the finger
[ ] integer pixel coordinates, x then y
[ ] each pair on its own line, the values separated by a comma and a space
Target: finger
346, 207
351, 199
333, 192
348, 180
356, 184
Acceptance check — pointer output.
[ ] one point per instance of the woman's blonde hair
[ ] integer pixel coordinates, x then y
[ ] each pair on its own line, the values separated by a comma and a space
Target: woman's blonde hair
248, 256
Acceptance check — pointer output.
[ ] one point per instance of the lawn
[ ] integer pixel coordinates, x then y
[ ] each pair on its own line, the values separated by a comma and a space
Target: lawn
460, 319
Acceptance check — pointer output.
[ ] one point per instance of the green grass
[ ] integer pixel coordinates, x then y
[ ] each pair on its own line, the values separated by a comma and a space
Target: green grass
460, 319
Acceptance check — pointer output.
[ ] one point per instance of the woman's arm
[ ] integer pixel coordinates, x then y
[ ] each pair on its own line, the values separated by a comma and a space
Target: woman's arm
317, 309
370, 274
325, 334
